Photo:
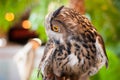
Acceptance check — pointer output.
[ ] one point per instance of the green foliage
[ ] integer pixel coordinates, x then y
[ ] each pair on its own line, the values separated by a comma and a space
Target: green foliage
113, 71
34, 75
39, 10
37, 18
15, 6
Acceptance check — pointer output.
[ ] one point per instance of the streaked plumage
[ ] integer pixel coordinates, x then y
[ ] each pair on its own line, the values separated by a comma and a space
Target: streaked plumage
74, 49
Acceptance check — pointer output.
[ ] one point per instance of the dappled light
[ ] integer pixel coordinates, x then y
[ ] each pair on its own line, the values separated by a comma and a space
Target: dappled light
23, 35
26, 24
9, 16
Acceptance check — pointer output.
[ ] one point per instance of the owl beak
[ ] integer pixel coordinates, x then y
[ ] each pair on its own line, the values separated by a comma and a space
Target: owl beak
57, 11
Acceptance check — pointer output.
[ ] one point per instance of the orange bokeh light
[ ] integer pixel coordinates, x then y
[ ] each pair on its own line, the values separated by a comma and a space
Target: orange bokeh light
26, 24
9, 16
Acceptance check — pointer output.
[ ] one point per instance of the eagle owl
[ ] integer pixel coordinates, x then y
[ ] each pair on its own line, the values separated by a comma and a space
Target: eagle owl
74, 48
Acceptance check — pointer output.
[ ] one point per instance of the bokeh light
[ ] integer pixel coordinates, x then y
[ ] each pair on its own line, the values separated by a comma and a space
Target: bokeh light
26, 24
9, 16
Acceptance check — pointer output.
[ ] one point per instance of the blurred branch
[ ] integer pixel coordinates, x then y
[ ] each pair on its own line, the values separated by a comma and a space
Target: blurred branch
25, 58
78, 5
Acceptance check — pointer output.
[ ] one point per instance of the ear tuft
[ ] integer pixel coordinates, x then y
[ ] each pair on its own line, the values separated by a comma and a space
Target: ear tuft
57, 11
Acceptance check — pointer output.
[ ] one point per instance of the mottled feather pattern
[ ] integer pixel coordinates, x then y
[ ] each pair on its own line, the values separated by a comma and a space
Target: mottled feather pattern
78, 51
73, 18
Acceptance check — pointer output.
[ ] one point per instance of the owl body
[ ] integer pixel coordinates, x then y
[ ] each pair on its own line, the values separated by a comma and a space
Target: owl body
74, 48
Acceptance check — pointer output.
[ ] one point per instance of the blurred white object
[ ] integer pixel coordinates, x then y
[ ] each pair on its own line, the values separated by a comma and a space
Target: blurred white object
25, 58
3, 42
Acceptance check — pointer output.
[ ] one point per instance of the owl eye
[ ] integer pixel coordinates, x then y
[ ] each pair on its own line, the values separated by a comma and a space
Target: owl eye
55, 28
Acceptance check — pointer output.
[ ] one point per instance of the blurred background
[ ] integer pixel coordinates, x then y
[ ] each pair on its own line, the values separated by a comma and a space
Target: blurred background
22, 20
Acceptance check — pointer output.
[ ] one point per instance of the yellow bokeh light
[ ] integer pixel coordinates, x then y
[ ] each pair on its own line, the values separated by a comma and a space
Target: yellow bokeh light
26, 24
9, 16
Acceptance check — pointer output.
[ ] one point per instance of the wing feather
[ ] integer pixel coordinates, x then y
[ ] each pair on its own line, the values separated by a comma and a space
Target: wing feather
103, 47
47, 51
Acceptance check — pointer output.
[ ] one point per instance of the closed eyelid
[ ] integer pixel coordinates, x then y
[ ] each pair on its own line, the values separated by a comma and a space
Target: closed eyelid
63, 24
60, 22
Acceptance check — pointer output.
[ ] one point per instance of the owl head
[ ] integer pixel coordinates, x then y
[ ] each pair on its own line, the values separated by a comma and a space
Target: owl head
59, 24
